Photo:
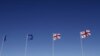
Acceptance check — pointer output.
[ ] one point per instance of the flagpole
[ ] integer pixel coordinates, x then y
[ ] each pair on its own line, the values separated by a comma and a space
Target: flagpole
26, 46
2, 47
52, 47
81, 42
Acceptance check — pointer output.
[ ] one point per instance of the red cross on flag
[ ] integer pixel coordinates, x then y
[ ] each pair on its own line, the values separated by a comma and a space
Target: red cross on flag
56, 36
85, 34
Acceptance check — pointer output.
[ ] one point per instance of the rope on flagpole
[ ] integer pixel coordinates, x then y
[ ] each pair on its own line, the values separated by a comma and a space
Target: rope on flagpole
81, 46
53, 47
26, 45
2, 47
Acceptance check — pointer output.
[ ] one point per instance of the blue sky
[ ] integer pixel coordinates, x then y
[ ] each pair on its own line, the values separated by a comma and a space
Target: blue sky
42, 18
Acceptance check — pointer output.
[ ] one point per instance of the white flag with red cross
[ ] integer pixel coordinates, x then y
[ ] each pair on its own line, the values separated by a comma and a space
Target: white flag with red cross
56, 36
85, 34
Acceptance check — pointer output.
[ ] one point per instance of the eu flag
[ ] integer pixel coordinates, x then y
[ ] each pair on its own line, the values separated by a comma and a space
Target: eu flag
30, 36
5, 39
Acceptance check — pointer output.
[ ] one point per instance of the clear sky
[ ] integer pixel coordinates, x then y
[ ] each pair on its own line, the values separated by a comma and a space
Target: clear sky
42, 18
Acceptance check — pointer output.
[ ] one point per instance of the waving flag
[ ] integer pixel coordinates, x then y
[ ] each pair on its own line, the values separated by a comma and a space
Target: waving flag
56, 36
85, 34
5, 38
30, 37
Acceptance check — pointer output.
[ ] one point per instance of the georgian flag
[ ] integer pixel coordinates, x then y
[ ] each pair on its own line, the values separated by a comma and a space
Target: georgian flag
56, 36
85, 34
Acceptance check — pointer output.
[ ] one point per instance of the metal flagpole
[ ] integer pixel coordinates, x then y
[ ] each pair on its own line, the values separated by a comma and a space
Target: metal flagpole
2, 47
26, 46
81, 42
53, 47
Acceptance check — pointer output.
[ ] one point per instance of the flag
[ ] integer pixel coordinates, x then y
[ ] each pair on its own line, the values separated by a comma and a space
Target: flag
56, 36
4, 38
30, 37
85, 34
